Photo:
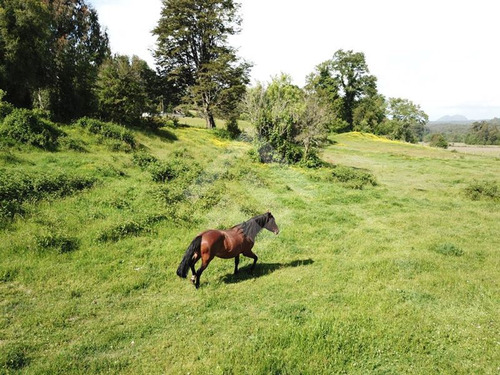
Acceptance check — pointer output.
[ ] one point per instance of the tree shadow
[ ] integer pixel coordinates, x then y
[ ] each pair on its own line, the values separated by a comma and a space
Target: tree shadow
165, 135
262, 269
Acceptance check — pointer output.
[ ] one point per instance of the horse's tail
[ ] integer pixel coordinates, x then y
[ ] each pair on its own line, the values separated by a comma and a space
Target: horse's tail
183, 268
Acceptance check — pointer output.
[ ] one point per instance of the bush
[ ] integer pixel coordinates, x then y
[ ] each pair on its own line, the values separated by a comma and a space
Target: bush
143, 159
17, 188
352, 177
25, 126
107, 130
56, 241
482, 190
438, 140
163, 171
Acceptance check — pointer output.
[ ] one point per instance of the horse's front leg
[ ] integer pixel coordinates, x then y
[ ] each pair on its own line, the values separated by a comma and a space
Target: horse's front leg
250, 254
236, 262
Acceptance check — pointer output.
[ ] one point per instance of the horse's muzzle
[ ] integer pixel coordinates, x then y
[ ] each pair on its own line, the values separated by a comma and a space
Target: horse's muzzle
276, 231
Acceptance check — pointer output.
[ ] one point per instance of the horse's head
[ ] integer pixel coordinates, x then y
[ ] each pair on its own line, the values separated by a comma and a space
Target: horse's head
271, 223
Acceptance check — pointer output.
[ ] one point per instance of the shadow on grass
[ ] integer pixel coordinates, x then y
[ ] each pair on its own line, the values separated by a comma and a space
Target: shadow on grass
262, 269
165, 135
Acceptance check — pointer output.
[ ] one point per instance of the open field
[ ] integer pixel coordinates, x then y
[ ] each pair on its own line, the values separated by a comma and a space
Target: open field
476, 149
401, 277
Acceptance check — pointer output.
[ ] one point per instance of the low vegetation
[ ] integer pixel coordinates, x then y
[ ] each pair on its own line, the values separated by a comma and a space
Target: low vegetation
382, 237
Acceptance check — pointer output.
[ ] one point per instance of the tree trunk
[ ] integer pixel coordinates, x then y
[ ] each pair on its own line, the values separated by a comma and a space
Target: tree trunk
209, 118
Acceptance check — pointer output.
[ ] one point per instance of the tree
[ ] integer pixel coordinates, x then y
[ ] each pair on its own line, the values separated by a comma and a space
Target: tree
122, 89
79, 47
50, 51
25, 45
312, 126
406, 120
343, 82
369, 114
194, 55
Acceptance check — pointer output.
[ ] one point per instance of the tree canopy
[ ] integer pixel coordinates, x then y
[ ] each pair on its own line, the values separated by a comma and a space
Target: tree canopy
194, 55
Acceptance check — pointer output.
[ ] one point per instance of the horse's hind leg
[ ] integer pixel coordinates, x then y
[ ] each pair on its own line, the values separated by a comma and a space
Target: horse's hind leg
196, 257
236, 262
250, 254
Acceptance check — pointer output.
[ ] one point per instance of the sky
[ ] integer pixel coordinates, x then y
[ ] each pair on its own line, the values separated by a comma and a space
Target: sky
443, 55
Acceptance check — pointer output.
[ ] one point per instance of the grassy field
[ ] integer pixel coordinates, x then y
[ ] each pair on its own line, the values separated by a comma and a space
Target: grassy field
400, 277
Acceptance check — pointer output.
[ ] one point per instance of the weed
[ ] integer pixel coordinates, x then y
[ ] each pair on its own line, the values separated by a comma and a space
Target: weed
354, 178
448, 248
58, 242
14, 357
477, 190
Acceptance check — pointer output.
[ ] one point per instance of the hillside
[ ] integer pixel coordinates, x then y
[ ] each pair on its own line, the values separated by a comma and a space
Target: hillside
385, 264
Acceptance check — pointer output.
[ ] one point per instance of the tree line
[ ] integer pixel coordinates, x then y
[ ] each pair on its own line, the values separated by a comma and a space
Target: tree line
55, 56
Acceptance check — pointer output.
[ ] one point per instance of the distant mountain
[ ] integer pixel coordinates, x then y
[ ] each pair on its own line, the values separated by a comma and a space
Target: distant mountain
454, 118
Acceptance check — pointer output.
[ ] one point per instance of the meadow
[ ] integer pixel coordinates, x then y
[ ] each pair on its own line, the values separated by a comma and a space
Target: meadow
386, 264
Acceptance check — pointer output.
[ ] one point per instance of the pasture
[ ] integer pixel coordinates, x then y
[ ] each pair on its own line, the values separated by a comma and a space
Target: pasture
395, 276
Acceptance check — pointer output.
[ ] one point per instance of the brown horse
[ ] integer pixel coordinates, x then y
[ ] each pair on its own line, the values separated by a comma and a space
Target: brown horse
229, 243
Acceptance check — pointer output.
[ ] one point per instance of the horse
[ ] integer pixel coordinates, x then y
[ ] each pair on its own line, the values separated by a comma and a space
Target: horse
226, 244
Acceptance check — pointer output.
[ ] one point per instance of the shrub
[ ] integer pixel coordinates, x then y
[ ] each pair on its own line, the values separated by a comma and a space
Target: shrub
143, 159
24, 126
163, 171
17, 188
107, 130
438, 140
477, 190
352, 177
55, 241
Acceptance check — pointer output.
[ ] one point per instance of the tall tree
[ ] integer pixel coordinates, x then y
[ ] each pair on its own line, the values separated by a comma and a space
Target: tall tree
80, 46
343, 81
406, 120
50, 51
122, 89
193, 53
25, 45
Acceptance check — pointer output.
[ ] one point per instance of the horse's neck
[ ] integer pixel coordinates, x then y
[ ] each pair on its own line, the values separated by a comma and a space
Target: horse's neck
253, 230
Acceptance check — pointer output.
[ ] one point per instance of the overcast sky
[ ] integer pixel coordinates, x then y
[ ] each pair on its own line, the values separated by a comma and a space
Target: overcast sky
441, 54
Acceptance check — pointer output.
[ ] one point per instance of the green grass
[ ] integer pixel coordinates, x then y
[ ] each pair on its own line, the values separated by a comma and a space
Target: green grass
400, 276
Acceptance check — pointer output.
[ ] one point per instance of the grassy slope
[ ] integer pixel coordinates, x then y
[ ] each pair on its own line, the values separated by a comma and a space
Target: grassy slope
352, 283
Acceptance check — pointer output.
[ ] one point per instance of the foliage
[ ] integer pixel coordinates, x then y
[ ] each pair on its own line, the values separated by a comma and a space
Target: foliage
17, 188
406, 120
353, 177
483, 133
194, 55
343, 82
438, 140
27, 127
61, 243
477, 190
51, 52
107, 130
122, 89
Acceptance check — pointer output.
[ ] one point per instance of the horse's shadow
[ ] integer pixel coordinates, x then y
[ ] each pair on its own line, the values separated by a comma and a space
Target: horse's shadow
262, 269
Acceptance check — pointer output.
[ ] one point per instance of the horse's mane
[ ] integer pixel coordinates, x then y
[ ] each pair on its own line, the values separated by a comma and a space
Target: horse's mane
249, 226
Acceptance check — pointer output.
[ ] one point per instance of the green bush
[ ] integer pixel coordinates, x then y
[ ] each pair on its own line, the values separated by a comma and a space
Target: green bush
107, 130
163, 171
352, 177
55, 241
438, 140
17, 187
477, 190
143, 159
25, 126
